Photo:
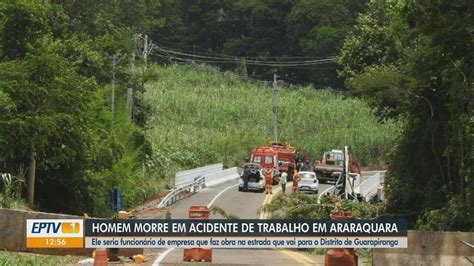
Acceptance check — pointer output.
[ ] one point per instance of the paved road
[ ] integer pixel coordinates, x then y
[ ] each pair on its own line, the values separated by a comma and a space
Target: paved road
244, 205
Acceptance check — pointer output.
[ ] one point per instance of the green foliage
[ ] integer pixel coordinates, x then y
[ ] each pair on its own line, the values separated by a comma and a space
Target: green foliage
371, 41
261, 29
412, 61
10, 192
54, 105
297, 206
218, 210
24, 22
16, 258
318, 28
200, 117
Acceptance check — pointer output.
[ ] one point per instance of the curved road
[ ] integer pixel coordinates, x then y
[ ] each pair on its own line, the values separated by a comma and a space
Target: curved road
245, 205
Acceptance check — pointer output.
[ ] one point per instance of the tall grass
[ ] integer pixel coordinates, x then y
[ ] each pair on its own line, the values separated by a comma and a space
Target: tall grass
199, 117
19, 258
10, 191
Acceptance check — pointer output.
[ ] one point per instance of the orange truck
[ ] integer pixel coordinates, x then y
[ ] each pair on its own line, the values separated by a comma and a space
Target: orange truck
279, 156
332, 164
286, 156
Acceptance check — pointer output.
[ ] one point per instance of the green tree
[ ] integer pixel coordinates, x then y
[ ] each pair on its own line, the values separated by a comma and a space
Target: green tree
24, 22
417, 67
317, 29
49, 100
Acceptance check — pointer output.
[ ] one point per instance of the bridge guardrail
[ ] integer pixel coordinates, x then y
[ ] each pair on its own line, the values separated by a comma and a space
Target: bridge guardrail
368, 188
221, 176
188, 176
193, 180
177, 193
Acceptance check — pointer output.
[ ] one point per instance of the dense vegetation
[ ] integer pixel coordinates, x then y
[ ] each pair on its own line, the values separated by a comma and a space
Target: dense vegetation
299, 206
16, 258
55, 113
258, 29
56, 64
414, 60
199, 116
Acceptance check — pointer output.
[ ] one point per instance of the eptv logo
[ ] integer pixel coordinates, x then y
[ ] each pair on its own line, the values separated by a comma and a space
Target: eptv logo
54, 228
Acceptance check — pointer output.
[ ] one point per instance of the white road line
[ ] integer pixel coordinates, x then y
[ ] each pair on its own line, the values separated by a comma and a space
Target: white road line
324, 193
164, 254
220, 193
87, 261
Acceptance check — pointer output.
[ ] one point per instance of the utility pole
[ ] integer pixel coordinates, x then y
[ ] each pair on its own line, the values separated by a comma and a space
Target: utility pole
148, 46
145, 58
145, 53
115, 61
31, 179
275, 108
114, 64
347, 189
132, 86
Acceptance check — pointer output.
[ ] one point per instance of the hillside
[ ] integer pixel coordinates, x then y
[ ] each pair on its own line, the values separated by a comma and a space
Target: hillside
199, 116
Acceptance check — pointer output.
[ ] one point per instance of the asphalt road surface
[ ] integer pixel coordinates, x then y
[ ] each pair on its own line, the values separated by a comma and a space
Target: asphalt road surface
245, 205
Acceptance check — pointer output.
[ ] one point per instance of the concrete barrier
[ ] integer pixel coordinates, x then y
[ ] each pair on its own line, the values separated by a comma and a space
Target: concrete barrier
429, 248
13, 234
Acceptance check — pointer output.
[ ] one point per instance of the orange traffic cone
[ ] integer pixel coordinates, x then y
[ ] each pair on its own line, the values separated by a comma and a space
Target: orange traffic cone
138, 258
100, 258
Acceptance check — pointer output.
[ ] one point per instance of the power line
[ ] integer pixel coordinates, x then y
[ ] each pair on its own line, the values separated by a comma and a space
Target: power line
238, 60
185, 58
220, 55
264, 82
177, 58
281, 81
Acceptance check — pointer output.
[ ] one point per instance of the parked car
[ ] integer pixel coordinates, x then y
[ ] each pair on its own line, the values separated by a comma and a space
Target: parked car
308, 183
253, 173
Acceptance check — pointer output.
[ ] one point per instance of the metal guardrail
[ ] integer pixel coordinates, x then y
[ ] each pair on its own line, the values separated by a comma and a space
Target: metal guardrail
368, 188
471, 246
221, 176
193, 180
325, 192
186, 177
177, 193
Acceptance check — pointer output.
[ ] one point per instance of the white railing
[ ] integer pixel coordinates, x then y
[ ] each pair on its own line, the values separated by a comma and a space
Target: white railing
216, 178
188, 176
326, 192
368, 188
191, 181
181, 192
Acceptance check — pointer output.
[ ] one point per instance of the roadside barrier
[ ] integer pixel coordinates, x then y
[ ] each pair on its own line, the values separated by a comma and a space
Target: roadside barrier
193, 180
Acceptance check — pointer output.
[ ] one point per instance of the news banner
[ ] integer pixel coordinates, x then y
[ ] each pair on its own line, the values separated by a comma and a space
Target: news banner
146, 233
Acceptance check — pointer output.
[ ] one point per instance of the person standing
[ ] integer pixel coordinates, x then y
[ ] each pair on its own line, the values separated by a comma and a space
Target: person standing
268, 180
299, 165
306, 166
283, 178
246, 182
296, 180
